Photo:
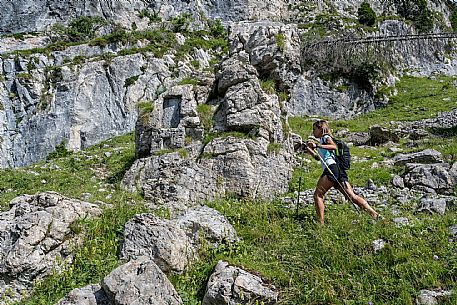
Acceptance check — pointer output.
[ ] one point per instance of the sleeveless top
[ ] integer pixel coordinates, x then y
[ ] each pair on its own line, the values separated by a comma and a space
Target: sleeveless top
328, 156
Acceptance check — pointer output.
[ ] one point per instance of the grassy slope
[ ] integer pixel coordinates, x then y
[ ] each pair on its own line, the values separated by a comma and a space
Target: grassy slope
309, 264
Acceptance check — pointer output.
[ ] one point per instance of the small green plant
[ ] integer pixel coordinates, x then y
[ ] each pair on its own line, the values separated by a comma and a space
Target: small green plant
152, 16
130, 81
144, 110
366, 14
206, 113
24, 76
280, 41
189, 81
273, 148
268, 85
60, 151
181, 23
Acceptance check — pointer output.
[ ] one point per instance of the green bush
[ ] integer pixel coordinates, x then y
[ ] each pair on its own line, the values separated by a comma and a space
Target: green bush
453, 19
80, 29
131, 80
366, 14
59, 152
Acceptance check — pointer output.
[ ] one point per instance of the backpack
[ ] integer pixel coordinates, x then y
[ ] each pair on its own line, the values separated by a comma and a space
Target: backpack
343, 155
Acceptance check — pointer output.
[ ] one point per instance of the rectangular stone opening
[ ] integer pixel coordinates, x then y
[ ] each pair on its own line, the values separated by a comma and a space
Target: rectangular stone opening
171, 112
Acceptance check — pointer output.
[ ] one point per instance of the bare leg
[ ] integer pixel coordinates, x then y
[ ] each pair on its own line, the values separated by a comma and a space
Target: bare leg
348, 192
323, 185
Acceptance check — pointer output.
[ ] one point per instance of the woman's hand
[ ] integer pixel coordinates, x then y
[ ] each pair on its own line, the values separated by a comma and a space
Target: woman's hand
311, 145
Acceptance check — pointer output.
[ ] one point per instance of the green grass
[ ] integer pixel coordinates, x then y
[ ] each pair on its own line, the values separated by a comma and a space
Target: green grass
333, 264
98, 171
417, 98
74, 173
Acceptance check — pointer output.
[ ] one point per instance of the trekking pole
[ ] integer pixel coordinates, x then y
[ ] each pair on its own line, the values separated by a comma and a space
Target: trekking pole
298, 196
336, 179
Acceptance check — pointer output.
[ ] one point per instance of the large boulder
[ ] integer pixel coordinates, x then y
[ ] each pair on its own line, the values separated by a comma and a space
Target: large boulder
139, 282
230, 285
172, 244
247, 153
160, 240
426, 156
88, 295
34, 235
433, 177
380, 135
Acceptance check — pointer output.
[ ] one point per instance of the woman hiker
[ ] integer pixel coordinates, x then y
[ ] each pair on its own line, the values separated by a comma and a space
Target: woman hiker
326, 150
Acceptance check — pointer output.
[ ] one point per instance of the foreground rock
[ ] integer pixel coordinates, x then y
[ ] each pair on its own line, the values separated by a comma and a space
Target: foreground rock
35, 235
430, 297
229, 285
89, 295
139, 282
426, 157
172, 244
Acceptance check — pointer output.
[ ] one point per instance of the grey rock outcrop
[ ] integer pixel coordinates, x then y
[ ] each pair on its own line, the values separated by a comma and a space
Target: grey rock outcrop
379, 135
80, 105
255, 161
162, 241
34, 235
89, 295
173, 244
229, 285
139, 282
433, 205
204, 223
431, 297
431, 177
426, 156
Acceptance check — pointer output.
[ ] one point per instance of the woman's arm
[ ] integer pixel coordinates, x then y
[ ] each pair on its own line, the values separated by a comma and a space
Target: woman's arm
328, 145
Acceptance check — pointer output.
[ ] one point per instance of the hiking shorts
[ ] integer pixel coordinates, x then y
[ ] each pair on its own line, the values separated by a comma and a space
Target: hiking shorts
339, 173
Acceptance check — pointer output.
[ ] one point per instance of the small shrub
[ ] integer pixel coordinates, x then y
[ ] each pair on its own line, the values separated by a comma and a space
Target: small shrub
206, 113
280, 41
99, 41
366, 14
453, 20
181, 23
216, 28
130, 81
189, 81
268, 86
59, 152
152, 16
273, 148
144, 110
23, 76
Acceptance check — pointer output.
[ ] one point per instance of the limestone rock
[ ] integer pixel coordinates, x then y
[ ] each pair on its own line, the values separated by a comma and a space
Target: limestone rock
425, 156
380, 135
139, 282
432, 176
34, 234
378, 245
161, 240
430, 297
358, 138
202, 222
229, 285
433, 205
89, 295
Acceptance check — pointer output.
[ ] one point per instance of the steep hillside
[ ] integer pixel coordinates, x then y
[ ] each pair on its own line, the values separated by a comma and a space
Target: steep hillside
152, 152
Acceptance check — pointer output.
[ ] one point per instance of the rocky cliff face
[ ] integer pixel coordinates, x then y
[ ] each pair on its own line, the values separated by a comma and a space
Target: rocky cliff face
47, 100
82, 94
